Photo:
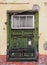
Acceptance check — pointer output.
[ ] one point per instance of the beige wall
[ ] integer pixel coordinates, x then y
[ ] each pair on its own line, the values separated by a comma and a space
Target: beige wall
26, 6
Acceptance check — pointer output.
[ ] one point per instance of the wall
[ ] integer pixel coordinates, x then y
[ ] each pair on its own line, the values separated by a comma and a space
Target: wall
4, 7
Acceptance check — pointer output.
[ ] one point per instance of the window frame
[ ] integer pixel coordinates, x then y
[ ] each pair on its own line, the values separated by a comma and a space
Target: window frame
12, 18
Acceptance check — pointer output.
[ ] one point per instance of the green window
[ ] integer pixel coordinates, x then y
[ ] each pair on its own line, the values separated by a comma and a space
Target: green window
22, 36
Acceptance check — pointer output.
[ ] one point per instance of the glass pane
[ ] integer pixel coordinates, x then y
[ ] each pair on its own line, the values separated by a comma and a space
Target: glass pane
22, 21
29, 21
16, 21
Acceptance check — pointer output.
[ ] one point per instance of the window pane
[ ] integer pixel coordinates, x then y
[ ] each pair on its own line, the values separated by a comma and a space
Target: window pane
29, 21
22, 21
16, 21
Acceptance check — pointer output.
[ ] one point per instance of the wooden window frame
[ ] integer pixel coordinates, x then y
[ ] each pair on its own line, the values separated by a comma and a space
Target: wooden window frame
19, 22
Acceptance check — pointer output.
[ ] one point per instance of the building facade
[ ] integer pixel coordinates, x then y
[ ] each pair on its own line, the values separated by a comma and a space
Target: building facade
26, 5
